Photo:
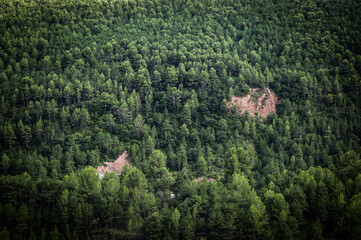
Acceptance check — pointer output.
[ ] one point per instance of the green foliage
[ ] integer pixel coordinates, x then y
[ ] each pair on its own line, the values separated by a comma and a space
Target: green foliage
83, 81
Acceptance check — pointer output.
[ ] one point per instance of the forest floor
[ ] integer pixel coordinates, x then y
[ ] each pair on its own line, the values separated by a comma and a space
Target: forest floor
115, 166
118, 234
203, 179
262, 101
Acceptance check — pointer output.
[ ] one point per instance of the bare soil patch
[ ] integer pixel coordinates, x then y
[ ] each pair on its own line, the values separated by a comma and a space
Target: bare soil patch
262, 101
202, 179
115, 166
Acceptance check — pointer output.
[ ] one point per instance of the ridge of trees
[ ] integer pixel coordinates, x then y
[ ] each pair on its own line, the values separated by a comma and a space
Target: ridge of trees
82, 81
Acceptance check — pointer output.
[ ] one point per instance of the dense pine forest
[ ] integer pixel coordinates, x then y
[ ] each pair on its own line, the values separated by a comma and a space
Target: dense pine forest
82, 81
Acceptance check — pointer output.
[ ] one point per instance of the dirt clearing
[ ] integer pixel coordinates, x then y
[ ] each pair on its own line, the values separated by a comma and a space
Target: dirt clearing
259, 100
203, 179
115, 166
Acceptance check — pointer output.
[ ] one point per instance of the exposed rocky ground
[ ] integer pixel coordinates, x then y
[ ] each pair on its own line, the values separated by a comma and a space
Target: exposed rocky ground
115, 166
262, 101
203, 179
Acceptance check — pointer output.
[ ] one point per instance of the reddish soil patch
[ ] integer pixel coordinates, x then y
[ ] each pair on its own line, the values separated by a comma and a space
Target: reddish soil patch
115, 166
202, 179
258, 100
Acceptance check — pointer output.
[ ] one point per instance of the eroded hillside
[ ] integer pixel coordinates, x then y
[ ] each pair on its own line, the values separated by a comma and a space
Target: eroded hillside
115, 166
262, 101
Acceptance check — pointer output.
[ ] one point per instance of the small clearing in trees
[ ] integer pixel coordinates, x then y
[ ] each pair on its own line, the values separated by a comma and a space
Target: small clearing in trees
115, 166
203, 179
259, 100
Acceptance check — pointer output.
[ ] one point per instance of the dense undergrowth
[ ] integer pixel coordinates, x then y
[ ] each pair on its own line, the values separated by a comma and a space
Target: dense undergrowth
83, 81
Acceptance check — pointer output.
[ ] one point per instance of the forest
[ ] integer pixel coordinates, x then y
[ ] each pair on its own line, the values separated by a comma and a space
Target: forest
83, 81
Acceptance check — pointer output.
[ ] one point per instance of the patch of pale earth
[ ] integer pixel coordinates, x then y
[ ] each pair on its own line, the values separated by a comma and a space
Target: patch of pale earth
115, 166
202, 179
264, 104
